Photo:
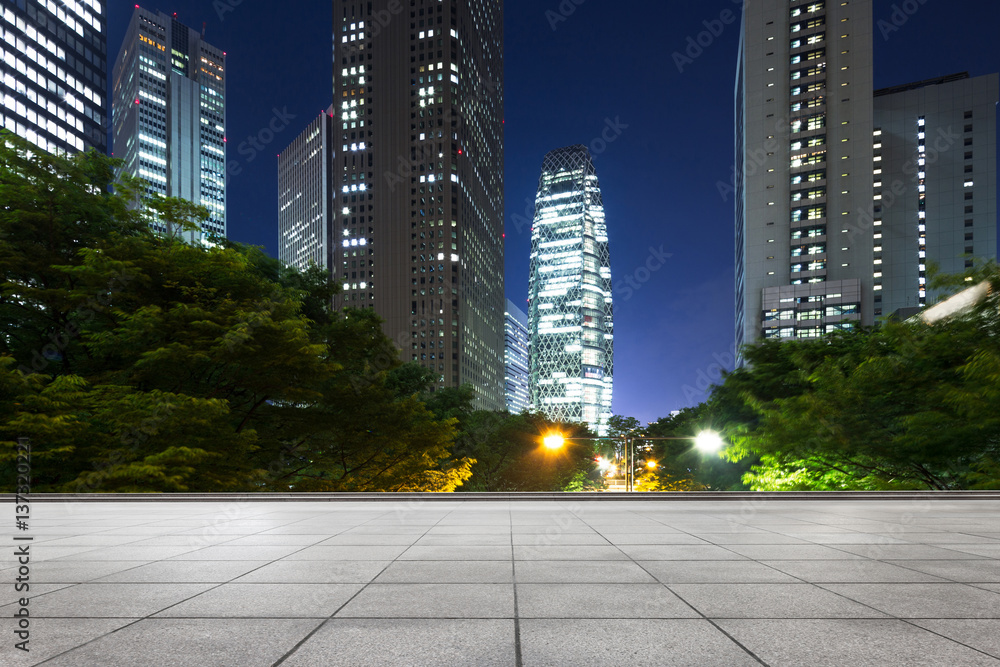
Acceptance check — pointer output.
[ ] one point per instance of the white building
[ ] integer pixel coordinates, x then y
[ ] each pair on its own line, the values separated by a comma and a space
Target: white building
570, 312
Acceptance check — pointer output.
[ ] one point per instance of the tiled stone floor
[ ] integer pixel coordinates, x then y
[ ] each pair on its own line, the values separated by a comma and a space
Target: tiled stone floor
514, 583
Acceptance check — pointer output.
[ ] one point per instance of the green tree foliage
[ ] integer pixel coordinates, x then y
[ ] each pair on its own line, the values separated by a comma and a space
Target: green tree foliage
142, 363
683, 467
510, 456
904, 405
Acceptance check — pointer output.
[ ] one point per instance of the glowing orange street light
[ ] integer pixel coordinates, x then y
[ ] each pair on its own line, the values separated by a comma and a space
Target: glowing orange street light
554, 441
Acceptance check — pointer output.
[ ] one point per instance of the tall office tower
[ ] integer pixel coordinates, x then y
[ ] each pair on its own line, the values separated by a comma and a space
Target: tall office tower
516, 358
418, 107
55, 74
803, 168
935, 184
570, 311
305, 205
168, 103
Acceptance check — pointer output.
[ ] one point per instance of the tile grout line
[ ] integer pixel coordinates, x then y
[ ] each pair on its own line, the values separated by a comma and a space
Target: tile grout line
518, 659
364, 587
745, 649
150, 616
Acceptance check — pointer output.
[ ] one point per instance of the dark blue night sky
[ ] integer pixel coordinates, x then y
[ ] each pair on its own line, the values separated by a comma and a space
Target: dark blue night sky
603, 74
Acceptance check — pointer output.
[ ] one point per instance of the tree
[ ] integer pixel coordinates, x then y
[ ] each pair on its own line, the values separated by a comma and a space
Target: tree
510, 457
143, 363
901, 405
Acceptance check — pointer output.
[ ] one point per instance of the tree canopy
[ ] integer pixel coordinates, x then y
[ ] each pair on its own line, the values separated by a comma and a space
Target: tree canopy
138, 362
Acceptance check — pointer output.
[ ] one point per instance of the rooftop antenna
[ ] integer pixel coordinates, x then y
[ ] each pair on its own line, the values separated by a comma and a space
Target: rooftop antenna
203, 29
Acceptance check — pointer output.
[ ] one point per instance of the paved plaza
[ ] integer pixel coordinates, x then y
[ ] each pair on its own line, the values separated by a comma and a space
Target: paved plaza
529, 583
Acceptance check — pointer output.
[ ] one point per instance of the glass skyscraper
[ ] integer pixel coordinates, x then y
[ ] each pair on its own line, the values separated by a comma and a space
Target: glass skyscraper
516, 358
170, 113
570, 308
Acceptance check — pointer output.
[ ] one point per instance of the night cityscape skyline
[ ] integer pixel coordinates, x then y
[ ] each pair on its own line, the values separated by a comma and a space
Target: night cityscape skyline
661, 139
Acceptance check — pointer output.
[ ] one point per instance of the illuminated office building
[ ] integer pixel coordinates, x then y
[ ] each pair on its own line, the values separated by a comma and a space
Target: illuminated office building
570, 308
845, 195
418, 180
516, 358
169, 88
54, 81
305, 198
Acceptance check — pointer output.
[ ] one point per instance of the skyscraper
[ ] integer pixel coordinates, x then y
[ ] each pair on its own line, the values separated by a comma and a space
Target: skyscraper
418, 180
570, 311
803, 168
839, 207
516, 358
305, 197
55, 74
169, 90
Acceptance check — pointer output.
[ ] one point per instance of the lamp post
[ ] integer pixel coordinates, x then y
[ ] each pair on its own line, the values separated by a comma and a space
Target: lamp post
706, 441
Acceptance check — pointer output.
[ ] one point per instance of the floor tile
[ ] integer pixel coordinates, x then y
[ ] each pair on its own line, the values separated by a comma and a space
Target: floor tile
614, 601
770, 601
348, 642
580, 572
924, 600
315, 572
447, 572
265, 601
172, 642
432, 601
613, 643
859, 643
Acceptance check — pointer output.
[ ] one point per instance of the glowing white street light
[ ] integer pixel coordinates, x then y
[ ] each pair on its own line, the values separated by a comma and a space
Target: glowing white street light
708, 441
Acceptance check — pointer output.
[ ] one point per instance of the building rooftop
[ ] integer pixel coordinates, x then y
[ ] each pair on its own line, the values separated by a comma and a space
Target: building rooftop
445, 581
921, 84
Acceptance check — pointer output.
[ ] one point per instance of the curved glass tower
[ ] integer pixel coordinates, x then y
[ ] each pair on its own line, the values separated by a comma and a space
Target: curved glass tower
570, 312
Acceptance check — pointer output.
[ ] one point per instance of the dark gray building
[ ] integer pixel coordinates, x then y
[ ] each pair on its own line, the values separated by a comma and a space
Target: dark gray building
935, 188
54, 86
418, 123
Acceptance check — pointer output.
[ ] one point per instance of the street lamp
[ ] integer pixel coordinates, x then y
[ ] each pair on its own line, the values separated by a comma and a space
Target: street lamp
708, 441
554, 441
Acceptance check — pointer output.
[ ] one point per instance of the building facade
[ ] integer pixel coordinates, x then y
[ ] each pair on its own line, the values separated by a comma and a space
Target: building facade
835, 186
54, 83
935, 188
516, 358
305, 197
169, 113
570, 315
418, 180
803, 168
